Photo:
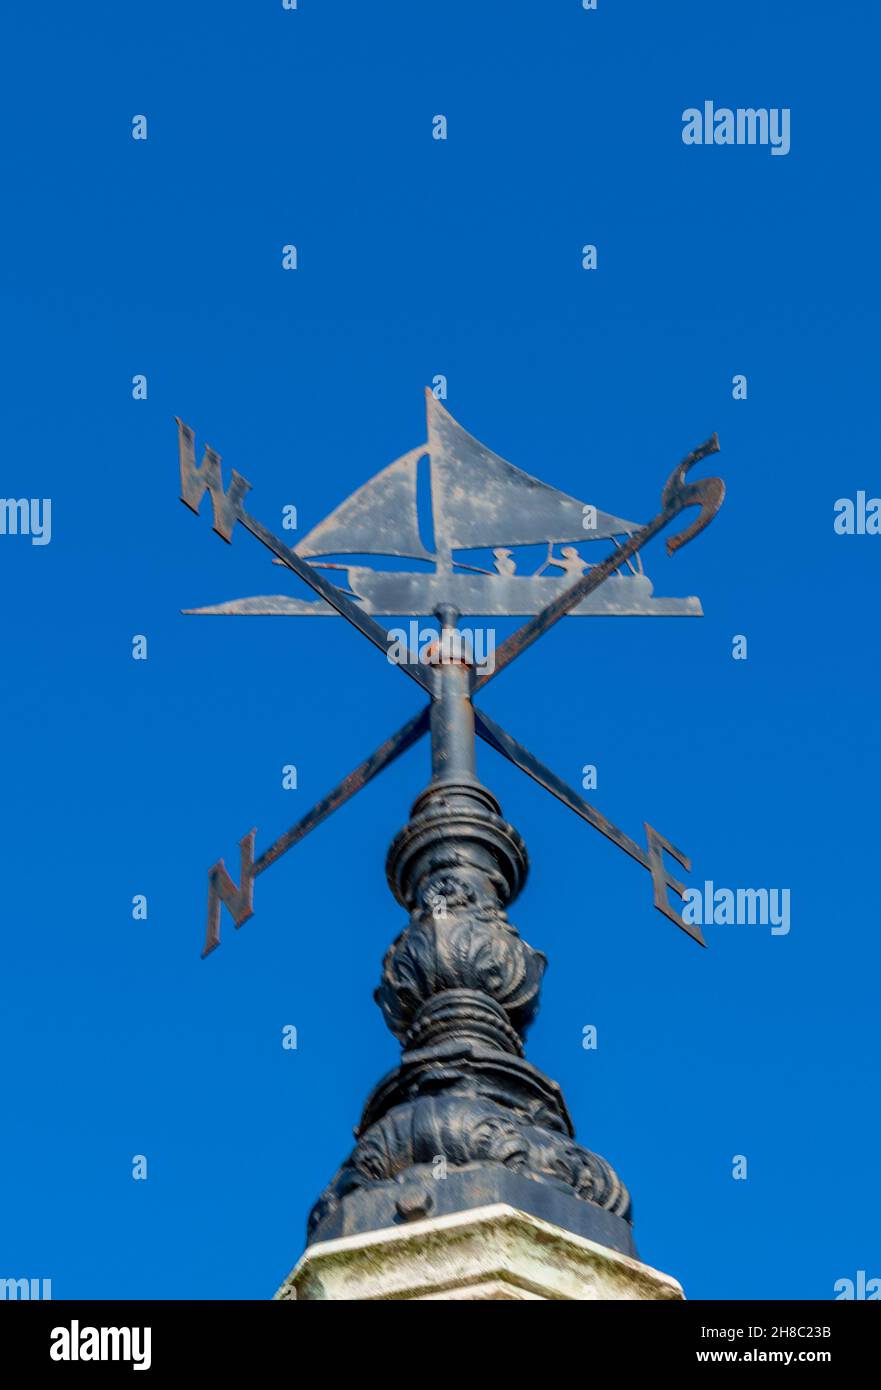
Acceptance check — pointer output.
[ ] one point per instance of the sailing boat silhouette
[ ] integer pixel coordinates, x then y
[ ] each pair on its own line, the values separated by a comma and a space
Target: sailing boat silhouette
478, 500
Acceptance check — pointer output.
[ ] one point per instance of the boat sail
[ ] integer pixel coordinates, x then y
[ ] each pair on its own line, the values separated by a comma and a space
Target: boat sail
478, 501
380, 518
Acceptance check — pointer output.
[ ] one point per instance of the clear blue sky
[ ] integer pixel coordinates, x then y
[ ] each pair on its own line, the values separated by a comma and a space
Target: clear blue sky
419, 257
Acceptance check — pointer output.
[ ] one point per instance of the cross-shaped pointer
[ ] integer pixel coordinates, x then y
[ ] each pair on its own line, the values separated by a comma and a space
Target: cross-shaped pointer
450, 715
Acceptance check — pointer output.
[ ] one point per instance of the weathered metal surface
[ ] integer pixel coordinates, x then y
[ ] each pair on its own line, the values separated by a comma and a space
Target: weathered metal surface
459, 985
708, 494
452, 722
386, 593
460, 988
479, 500
379, 1205
450, 715
228, 508
380, 518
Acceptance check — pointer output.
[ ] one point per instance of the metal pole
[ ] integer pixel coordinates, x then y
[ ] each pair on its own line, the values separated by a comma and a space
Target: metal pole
452, 714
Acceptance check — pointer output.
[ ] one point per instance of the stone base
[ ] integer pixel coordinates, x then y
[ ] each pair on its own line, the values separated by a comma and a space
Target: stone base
493, 1252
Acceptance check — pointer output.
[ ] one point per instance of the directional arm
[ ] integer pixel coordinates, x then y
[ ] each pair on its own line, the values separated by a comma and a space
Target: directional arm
650, 858
238, 898
707, 493
497, 738
371, 629
229, 508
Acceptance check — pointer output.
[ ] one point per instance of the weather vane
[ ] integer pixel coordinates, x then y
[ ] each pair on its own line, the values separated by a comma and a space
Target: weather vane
477, 499
459, 985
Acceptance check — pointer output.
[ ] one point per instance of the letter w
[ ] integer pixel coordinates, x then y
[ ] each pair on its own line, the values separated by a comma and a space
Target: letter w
238, 900
195, 482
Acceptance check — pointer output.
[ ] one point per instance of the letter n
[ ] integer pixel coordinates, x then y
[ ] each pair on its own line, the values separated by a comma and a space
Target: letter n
237, 899
195, 482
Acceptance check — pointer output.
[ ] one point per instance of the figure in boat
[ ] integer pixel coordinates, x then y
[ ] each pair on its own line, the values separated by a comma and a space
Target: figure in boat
571, 563
479, 502
503, 562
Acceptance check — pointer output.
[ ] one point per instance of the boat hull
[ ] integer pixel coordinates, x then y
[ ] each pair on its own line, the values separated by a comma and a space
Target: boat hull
515, 595
401, 594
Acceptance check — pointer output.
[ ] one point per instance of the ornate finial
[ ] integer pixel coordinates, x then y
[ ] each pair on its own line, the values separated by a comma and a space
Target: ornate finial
464, 1118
